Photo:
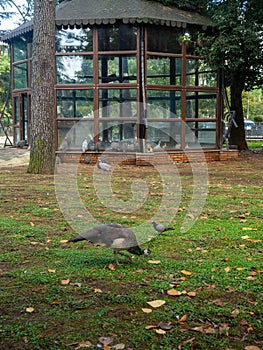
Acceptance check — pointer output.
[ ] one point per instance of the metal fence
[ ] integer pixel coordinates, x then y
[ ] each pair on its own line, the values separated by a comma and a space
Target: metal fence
255, 132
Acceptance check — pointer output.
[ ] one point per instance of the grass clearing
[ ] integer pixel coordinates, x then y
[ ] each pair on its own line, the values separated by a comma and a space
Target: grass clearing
63, 296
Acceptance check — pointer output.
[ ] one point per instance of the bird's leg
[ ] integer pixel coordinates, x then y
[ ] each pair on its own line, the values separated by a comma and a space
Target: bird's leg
116, 257
116, 252
126, 256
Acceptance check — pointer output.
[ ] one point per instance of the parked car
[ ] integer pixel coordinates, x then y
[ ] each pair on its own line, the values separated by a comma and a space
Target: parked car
249, 124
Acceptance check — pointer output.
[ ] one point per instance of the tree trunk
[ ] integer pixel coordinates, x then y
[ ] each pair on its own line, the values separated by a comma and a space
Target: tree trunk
237, 135
42, 145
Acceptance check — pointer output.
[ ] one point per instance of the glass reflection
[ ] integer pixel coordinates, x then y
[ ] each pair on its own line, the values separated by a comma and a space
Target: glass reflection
74, 69
74, 40
119, 69
167, 104
20, 76
164, 70
75, 103
117, 38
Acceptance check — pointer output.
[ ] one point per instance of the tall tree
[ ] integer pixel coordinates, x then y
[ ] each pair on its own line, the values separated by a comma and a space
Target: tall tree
5, 101
42, 145
238, 48
10, 9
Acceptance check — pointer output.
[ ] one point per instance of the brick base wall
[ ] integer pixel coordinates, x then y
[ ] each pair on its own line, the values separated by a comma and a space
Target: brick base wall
142, 159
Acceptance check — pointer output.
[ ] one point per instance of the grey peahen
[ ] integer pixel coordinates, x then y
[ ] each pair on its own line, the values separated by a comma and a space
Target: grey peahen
114, 236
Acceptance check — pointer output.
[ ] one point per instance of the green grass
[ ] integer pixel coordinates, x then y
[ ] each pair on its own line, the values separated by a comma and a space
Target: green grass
255, 144
222, 252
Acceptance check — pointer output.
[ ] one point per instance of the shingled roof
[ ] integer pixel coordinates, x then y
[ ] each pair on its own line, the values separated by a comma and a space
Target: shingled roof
90, 12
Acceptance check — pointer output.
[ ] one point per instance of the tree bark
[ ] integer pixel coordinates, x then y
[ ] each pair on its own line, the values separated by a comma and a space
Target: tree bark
42, 139
237, 135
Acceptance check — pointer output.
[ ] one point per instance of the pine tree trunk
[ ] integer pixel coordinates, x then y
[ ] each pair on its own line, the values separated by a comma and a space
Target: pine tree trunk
42, 145
237, 135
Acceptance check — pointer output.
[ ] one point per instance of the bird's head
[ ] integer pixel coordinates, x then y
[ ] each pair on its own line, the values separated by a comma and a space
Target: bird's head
147, 251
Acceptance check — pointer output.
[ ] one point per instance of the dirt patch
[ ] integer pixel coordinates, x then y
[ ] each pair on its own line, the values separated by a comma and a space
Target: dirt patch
13, 157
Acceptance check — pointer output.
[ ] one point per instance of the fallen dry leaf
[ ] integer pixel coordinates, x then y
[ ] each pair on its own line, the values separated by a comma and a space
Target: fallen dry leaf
227, 269
65, 282
235, 313
120, 346
156, 303
112, 267
51, 271
150, 327
30, 309
218, 302
252, 347
253, 273
97, 290
78, 346
183, 318
204, 329
63, 241
242, 216
243, 322
191, 216
146, 310
224, 328
86, 344
191, 294
174, 292
154, 261
186, 342
187, 273
225, 259
210, 286
36, 243
251, 278
245, 237
32, 224
160, 331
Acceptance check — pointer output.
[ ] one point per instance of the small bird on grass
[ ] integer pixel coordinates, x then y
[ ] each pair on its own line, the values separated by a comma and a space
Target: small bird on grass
114, 236
104, 166
161, 228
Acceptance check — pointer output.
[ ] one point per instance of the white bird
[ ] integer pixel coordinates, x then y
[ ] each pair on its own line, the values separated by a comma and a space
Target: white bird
85, 145
158, 146
161, 228
104, 166
114, 236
